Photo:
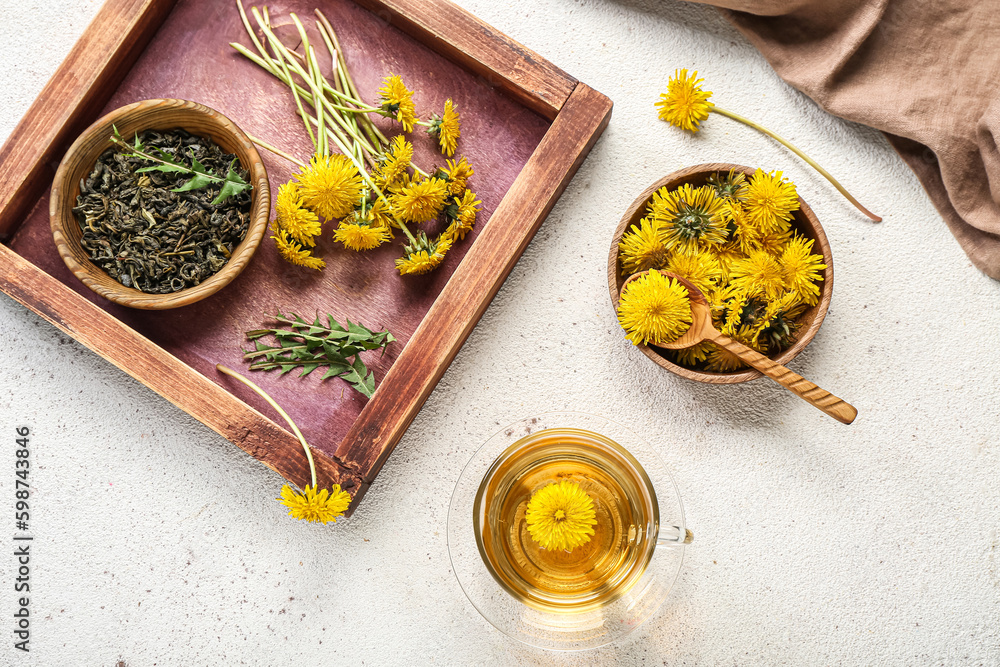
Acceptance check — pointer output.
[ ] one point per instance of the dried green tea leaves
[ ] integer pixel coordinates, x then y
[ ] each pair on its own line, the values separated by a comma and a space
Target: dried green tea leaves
156, 214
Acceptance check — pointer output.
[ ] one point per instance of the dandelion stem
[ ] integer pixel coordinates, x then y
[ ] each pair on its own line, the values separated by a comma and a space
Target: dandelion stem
260, 392
276, 151
281, 52
406, 230
809, 160
328, 33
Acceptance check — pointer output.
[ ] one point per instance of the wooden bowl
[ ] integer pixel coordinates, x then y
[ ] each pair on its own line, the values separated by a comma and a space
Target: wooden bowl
153, 115
805, 222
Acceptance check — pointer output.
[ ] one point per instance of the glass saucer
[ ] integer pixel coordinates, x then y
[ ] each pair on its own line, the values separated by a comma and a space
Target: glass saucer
564, 630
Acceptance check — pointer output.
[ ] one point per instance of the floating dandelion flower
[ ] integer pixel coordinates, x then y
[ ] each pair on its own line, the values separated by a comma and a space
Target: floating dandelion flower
561, 516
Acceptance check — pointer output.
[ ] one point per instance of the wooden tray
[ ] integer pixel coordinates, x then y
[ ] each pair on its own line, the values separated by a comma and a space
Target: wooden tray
526, 127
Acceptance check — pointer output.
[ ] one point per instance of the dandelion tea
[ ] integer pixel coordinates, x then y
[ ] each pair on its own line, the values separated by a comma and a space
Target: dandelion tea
590, 575
147, 235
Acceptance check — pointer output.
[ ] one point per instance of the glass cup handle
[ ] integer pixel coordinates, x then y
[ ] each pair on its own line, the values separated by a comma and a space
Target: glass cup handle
672, 536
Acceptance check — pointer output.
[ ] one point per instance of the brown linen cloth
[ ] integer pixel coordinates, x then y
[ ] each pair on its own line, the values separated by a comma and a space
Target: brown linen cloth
925, 72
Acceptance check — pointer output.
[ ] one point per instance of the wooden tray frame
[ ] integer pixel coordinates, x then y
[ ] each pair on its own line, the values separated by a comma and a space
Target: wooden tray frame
85, 81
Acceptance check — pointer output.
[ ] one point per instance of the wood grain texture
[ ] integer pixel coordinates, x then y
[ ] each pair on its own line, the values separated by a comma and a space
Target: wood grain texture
157, 114
203, 399
835, 407
83, 83
475, 283
463, 38
805, 222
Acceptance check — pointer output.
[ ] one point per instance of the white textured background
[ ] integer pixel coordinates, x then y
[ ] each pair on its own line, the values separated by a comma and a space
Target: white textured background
159, 543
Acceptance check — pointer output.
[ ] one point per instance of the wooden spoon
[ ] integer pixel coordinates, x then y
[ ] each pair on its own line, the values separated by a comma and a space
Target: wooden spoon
702, 329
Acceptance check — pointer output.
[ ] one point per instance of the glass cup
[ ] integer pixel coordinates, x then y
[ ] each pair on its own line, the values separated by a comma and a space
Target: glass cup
567, 599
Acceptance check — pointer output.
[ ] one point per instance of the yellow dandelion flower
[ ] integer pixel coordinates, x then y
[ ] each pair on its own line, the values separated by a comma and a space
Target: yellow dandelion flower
731, 308
759, 274
447, 128
770, 201
300, 223
732, 186
700, 267
359, 234
767, 310
397, 102
691, 356
685, 104
330, 185
417, 262
775, 242
396, 161
775, 331
726, 254
654, 309
421, 201
802, 269
721, 360
292, 251
381, 215
720, 300
404, 181
462, 212
312, 506
743, 231
642, 249
457, 174
468, 207
687, 217
560, 516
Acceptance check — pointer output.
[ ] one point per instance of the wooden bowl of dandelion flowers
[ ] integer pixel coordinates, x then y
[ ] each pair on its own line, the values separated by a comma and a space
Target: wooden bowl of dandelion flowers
743, 237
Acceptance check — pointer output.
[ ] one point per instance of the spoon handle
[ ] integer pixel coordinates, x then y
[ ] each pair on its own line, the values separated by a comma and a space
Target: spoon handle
835, 407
